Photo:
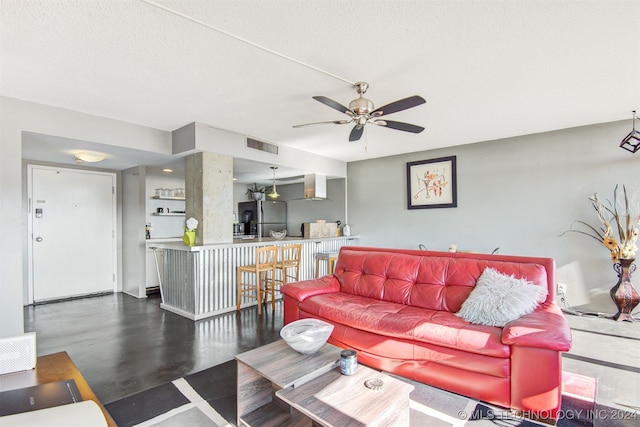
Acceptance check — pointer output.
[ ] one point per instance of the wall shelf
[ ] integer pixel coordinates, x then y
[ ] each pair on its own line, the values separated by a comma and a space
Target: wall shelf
167, 198
167, 214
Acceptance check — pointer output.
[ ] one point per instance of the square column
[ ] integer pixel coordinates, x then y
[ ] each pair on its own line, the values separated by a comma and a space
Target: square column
209, 196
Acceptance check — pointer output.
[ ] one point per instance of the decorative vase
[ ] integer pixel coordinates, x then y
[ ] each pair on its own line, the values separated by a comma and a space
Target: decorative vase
189, 238
623, 293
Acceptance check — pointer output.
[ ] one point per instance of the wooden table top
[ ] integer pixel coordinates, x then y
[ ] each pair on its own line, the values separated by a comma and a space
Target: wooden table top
285, 367
333, 399
51, 368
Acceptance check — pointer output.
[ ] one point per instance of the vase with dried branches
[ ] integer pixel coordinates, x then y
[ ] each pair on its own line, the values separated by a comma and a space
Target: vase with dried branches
622, 214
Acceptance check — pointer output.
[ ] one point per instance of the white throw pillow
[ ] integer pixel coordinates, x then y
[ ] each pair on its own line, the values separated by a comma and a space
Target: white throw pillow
498, 299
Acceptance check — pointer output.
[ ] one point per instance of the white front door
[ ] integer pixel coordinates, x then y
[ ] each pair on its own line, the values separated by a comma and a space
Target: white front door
72, 223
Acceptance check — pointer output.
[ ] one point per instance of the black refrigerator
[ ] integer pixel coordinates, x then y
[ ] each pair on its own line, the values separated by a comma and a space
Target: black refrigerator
262, 216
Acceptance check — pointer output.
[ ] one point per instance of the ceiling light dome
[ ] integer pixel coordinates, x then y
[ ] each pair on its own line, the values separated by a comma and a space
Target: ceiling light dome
89, 156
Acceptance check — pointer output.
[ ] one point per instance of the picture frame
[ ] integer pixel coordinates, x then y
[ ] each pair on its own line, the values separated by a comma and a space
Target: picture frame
432, 183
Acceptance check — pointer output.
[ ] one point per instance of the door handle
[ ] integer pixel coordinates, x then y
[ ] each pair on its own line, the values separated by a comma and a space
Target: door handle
39, 239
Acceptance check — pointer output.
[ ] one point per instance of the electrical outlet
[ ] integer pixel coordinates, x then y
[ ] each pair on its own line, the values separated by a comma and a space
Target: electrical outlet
562, 288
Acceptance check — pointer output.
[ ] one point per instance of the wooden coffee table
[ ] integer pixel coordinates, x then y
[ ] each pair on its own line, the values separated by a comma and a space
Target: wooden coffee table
280, 387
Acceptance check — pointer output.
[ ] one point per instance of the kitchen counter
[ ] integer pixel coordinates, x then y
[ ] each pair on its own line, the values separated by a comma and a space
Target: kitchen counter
200, 281
163, 239
177, 244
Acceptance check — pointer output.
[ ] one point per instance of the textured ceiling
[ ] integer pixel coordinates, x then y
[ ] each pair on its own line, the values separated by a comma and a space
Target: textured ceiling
488, 69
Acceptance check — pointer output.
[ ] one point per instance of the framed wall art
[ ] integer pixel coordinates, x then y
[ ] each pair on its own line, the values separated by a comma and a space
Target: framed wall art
432, 183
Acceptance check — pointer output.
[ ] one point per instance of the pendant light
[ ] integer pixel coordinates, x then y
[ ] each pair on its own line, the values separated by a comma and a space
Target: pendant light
274, 193
631, 142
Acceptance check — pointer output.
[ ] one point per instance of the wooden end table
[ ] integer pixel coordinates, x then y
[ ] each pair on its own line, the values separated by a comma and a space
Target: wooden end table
51, 368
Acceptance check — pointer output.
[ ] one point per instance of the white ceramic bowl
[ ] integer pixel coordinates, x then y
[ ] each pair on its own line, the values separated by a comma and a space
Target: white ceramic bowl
278, 235
306, 336
321, 221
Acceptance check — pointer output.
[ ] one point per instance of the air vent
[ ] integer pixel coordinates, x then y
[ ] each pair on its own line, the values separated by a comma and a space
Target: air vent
262, 146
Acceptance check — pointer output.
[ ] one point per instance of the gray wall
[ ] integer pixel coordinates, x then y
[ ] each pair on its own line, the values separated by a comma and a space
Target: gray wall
518, 194
299, 210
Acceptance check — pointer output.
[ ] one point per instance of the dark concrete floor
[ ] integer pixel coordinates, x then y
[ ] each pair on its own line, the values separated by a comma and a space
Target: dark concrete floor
123, 345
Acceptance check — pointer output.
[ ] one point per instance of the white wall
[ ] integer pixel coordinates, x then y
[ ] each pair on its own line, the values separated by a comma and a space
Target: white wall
518, 194
133, 216
231, 144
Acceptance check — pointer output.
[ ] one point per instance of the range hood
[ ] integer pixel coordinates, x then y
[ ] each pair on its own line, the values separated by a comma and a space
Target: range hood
315, 187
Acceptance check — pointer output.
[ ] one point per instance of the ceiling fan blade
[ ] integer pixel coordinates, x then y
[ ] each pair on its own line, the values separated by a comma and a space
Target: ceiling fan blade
356, 133
333, 104
407, 127
335, 122
402, 104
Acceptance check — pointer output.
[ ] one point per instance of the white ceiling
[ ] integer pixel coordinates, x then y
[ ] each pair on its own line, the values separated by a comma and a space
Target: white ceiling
488, 69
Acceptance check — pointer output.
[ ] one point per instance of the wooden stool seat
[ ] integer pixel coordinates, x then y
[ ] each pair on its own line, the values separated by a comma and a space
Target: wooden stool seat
289, 267
328, 257
264, 270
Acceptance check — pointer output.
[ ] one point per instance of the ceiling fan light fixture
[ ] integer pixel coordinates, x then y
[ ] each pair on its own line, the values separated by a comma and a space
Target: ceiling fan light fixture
361, 106
361, 87
631, 142
274, 192
362, 110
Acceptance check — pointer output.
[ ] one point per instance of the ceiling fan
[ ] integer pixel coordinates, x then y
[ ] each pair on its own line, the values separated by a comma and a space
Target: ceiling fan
362, 111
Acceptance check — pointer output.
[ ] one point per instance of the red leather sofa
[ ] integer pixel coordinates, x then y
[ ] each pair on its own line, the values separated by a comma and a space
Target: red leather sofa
397, 308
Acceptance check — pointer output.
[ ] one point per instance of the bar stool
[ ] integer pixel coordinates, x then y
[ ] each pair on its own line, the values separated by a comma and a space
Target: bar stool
328, 257
289, 260
264, 270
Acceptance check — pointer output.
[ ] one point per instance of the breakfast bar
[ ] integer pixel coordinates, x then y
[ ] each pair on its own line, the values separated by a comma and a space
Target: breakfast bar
200, 281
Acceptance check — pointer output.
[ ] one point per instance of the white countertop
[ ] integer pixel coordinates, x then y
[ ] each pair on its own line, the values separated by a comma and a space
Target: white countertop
241, 242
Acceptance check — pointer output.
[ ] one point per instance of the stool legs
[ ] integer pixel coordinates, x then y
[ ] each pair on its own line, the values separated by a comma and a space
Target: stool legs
331, 264
242, 286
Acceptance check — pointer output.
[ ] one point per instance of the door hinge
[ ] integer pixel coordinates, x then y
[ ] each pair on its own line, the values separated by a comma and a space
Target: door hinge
113, 190
113, 233
114, 278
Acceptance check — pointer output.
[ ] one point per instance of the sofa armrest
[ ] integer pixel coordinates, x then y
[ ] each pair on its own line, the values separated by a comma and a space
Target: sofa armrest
544, 328
308, 288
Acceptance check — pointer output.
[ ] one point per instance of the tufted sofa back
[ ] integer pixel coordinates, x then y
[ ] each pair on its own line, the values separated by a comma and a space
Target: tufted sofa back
434, 280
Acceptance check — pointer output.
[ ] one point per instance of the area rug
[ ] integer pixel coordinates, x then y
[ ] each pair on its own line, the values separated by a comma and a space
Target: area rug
208, 398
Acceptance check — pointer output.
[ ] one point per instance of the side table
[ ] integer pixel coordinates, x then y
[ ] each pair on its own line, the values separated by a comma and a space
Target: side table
51, 368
